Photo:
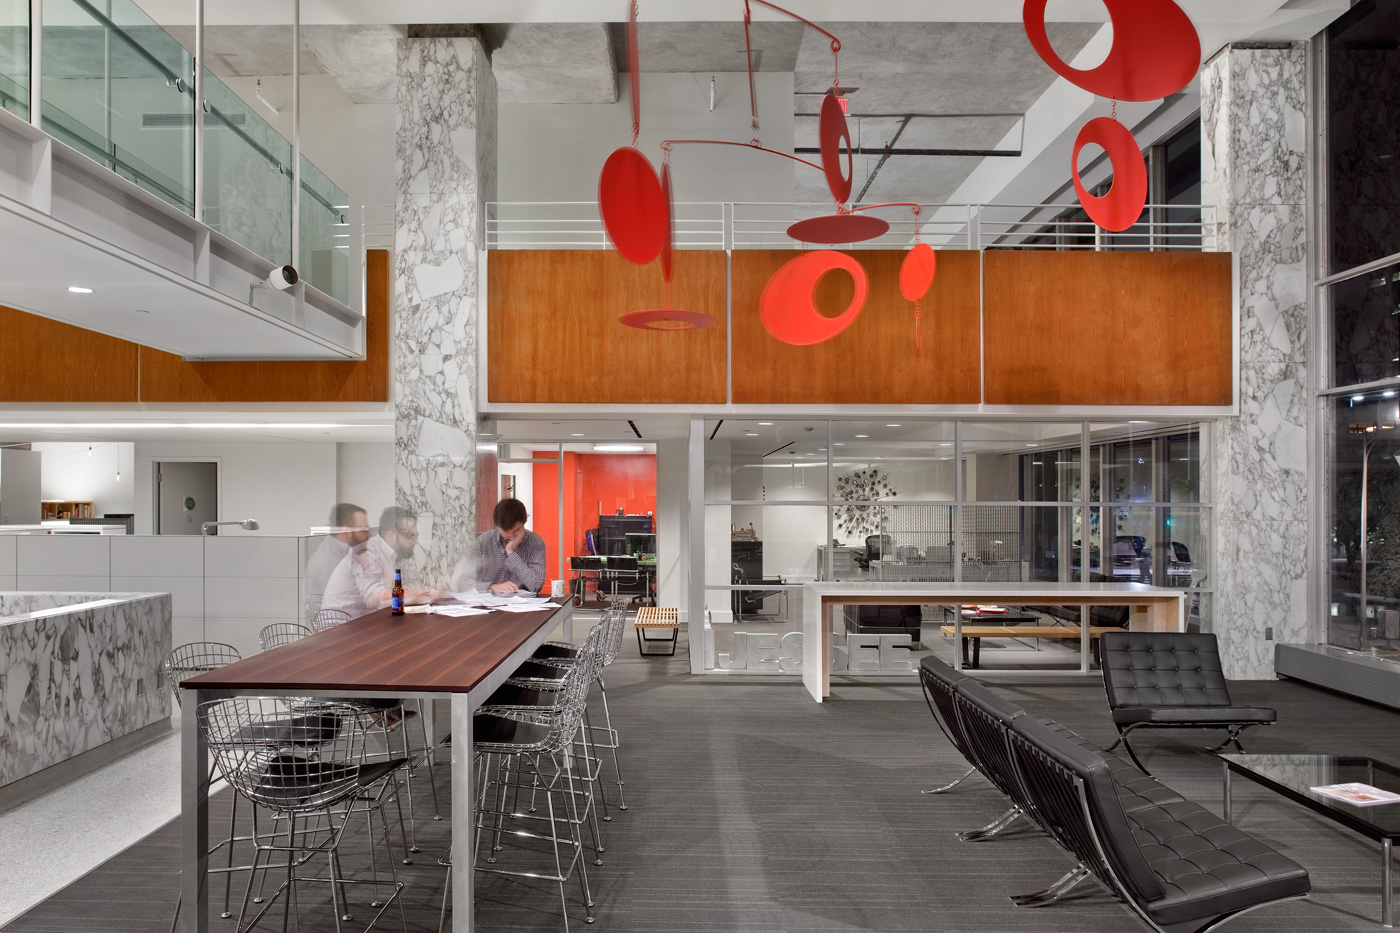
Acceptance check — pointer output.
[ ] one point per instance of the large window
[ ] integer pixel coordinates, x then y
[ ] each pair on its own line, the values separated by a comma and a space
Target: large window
787, 502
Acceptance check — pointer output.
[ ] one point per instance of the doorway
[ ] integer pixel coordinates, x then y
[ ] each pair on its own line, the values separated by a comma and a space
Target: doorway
187, 496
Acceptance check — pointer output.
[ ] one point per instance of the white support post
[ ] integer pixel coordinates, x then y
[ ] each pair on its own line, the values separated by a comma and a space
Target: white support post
296, 135
198, 115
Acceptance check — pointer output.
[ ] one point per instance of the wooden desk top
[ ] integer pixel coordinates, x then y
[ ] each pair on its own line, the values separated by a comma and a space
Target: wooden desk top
422, 653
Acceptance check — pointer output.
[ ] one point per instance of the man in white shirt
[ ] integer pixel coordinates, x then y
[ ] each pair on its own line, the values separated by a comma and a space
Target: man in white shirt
363, 580
349, 527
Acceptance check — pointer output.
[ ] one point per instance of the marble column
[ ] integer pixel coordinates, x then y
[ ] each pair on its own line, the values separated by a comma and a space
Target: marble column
1253, 133
446, 165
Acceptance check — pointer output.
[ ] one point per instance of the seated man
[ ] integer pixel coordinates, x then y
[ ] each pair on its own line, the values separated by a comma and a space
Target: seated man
364, 579
505, 560
349, 527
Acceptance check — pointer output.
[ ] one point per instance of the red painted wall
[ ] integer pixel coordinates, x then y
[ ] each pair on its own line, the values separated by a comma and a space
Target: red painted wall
593, 483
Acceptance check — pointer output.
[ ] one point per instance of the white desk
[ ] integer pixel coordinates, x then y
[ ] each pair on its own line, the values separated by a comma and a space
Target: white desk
1153, 609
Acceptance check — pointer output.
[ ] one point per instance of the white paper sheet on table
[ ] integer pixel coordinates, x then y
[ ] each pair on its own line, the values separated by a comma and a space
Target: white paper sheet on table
520, 607
460, 611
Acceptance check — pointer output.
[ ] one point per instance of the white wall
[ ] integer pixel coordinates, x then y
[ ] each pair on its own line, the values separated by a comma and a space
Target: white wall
287, 487
554, 152
70, 472
365, 476
672, 523
524, 474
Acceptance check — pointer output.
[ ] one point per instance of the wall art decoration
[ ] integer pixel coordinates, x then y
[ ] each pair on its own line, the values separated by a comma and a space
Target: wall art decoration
866, 487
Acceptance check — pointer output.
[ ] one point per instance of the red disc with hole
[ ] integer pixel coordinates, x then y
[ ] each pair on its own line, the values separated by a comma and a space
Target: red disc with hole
668, 244
632, 205
666, 319
1156, 50
1121, 207
788, 307
832, 131
917, 271
838, 228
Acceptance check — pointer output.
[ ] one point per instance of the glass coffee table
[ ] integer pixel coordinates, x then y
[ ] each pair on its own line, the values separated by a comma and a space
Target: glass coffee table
1293, 775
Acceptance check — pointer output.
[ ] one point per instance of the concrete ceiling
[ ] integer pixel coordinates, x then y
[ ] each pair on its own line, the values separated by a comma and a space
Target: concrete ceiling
709, 47
554, 63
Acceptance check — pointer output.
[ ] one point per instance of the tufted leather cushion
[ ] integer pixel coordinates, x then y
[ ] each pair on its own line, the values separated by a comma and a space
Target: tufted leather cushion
1181, 861
1194, 715
1157, 669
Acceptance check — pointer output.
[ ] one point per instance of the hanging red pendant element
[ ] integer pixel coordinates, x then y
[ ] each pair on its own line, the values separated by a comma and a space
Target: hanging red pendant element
1123, 205
666, 319
632, 205
1156, 50
669, 243
917, 271
833, 131
838, 228
788, 306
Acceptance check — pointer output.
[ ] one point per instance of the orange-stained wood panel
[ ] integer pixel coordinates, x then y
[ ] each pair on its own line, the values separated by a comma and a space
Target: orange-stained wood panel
43, 360
1096, 328
874, 360
554, 335
167, 378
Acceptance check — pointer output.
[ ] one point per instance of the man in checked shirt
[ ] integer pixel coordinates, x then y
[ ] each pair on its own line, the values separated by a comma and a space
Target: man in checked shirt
508, 559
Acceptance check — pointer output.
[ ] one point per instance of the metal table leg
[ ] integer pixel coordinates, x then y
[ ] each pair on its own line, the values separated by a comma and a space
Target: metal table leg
1387, 917
1225, 810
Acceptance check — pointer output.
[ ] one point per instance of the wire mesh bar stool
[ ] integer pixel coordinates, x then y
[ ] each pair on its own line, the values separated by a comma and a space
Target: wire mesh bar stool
314, 770
281, 633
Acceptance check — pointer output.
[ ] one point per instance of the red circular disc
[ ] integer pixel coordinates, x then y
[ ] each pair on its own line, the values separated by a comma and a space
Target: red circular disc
632, 205
666, 319
832, 130
788, 307
1156, 50
838, 228
1121, 207
917, 271
668, 244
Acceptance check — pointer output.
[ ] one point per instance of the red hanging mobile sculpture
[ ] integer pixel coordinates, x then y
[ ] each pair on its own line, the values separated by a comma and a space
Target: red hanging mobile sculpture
916, 277
788, 308
1156, 52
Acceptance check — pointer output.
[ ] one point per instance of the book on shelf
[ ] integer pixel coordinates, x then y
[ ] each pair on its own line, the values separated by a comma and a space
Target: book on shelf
1360, 795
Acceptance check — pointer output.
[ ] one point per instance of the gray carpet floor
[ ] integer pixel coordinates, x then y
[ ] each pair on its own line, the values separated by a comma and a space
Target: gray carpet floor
751, 808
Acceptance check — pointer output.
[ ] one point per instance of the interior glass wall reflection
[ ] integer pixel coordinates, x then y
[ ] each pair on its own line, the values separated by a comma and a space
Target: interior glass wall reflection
998, 461
119, 89
1364, 578
782, 461
14, 56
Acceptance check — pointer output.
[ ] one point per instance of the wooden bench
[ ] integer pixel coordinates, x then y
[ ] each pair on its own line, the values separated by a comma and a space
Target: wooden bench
663, 617
975, 634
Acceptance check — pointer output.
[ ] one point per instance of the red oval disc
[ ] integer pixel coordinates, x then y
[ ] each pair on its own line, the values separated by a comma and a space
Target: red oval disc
917, 271
788, 307
669, 243
838, 228
666, 319
632, 205
1156, 50
831, 129
1121, 207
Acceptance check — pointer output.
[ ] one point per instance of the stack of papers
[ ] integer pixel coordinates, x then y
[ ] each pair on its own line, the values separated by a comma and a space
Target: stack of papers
481, 603
1361, 795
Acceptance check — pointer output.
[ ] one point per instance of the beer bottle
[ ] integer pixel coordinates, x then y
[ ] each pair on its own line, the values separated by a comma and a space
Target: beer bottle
396, 595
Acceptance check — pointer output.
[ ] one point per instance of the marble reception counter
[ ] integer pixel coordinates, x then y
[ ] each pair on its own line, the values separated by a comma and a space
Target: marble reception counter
77, 670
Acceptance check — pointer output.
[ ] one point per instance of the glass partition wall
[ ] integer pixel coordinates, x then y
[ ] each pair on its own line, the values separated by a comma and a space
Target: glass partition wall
787, 502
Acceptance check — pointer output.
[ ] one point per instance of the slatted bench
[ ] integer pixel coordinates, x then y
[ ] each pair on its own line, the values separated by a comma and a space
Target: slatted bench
657, 617
975, 634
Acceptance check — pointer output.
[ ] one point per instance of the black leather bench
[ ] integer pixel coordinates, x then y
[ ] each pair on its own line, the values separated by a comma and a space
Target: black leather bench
1168, 858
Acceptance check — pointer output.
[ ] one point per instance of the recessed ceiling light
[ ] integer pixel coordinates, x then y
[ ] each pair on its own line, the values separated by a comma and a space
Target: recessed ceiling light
821, 450
1032, 445
619, 448
580, 434
1358, 398
1389, 393
894, 425
766, 424
79, 290
838, 444
862, 435
751, 434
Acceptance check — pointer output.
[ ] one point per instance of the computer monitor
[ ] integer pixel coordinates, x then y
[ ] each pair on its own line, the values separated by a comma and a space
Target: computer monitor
639, 543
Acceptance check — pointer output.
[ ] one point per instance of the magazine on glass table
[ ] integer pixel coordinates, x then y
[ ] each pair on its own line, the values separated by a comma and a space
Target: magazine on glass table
1360, 795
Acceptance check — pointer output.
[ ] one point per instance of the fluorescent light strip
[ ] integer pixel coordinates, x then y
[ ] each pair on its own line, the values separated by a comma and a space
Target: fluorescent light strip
199, 425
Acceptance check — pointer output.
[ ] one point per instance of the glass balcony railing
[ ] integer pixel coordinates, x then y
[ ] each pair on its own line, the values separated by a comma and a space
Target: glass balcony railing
119, 88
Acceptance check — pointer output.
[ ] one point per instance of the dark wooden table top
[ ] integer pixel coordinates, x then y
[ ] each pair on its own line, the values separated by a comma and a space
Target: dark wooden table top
425, 653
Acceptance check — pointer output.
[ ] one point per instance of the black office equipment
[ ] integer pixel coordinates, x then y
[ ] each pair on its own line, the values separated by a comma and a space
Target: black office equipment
640, 543
611, 535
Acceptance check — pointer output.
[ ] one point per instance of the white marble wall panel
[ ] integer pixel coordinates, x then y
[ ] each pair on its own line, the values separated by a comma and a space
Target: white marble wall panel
445, 166
1253, 141
74, 680
63, 555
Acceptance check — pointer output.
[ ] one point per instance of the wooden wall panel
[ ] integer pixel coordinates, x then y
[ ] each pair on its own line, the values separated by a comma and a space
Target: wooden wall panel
1086, 328
554, 335
43, 360
873, 361
167, 378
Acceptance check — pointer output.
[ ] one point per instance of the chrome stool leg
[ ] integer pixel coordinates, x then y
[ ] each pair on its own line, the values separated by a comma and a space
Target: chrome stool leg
992, 828
947, 787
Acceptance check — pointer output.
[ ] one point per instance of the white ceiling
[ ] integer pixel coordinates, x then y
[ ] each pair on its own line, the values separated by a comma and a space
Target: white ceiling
30, 424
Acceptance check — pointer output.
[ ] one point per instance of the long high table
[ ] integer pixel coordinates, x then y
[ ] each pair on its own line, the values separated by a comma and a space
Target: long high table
378, 655
1152, 608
